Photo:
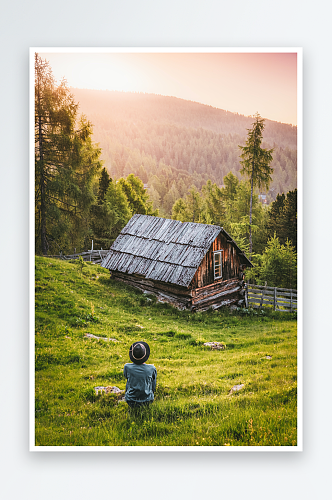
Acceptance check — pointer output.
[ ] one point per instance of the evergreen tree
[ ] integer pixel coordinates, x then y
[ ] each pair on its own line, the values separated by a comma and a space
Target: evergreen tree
137, 196
66, 163
214, 207
99, 216
236, 220
194, 204
117, 210
283, 218
278, 266
170, 198
256, 163
180, 211
154, 198
189, 208
288, 219
275, 211
104, 182
229, 192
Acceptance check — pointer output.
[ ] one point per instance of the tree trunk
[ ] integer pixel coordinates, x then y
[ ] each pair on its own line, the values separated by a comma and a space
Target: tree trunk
42, 182
250, 212
42, 192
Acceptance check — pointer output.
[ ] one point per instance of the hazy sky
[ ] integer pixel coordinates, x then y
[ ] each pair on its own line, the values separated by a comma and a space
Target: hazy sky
239, 82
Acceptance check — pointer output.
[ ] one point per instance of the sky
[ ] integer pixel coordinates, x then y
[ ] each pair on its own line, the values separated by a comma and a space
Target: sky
240, 82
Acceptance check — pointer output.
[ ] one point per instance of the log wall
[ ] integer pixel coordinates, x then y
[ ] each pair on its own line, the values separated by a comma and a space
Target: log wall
230, 264
178, 296
218, 294
213, 296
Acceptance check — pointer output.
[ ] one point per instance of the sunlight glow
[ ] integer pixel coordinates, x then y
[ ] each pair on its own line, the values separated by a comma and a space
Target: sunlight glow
239, 82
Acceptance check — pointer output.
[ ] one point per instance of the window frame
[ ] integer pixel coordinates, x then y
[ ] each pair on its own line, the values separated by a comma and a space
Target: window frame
214, 264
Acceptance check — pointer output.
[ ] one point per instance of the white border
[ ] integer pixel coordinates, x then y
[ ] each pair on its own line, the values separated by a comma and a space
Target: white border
92, 50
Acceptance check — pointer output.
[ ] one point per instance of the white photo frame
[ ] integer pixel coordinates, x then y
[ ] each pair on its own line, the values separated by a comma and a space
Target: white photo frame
170, 50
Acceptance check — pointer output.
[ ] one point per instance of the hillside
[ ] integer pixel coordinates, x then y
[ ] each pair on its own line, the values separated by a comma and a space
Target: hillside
193, 405
168, 141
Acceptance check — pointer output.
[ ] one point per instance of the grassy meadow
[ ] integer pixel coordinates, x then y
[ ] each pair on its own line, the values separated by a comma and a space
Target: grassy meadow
193, 405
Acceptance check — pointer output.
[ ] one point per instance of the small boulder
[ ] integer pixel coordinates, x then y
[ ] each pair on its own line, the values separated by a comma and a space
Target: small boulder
215, 345
110, 389
236, 388
91, 336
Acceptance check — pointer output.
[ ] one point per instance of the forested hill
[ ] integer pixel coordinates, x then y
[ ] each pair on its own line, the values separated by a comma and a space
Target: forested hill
168, 141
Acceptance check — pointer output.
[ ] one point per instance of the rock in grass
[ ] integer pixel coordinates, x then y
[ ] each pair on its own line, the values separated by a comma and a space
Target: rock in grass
110, 389
236, 388
91, 336
215, 345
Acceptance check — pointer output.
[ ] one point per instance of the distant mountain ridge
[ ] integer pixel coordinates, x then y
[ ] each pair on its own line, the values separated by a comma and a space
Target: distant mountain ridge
172, 144
133, 106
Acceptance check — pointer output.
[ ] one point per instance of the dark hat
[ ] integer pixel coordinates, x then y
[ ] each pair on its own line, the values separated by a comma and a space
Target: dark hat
139, 352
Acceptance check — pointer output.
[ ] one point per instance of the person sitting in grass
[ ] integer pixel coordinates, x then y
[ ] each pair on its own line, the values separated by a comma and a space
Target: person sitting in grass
141, 378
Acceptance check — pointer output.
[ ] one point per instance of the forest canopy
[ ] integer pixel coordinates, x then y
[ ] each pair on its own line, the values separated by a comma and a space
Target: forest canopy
173, 143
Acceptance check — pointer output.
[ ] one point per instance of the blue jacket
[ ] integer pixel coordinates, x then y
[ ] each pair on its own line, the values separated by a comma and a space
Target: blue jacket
141, 382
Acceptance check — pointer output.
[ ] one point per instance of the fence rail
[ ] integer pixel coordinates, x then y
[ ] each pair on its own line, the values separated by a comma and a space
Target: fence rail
281, 299
94, 256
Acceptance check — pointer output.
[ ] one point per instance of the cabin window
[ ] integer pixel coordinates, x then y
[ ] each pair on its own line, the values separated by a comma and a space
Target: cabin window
217, 264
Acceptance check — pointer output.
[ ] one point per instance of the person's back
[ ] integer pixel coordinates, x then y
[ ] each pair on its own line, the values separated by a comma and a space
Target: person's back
141, 378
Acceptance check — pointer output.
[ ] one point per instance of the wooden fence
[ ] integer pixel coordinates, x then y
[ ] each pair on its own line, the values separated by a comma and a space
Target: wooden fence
94, 256
281, 299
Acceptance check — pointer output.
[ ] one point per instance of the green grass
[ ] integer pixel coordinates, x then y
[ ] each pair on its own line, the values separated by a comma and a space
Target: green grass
192, 404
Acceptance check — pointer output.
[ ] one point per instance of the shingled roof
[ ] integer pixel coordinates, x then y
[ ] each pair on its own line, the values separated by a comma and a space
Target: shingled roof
162, 249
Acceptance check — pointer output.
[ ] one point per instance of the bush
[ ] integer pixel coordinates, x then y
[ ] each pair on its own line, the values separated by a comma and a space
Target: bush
277, 266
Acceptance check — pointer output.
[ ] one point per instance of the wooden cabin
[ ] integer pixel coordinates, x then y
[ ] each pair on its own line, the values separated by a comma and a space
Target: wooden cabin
192, 266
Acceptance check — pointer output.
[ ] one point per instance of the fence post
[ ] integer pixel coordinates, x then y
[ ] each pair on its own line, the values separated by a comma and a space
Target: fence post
291, 302
262, 298
246, 295
275, 299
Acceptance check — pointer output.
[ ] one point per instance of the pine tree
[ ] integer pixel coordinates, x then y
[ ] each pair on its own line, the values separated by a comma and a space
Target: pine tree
288, 219
229, 193
99, 217
180, 211
278, 265
117, 210
189, 208
104, 182
137, 196
282, 218
256, 163
214, 206
66, 163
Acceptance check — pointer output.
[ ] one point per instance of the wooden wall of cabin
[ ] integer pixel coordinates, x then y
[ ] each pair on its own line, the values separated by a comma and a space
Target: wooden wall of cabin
230, 264
176, 295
